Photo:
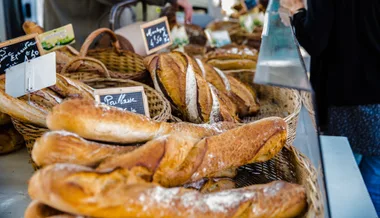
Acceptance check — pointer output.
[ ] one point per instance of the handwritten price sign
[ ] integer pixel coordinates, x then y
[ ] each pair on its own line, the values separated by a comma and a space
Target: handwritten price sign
156, 35
17, 51
131, 99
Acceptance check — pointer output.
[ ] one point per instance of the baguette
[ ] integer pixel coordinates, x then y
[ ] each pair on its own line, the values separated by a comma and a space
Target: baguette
21, 110
176, 159
100, 122
69, 88
65, 147
122, 193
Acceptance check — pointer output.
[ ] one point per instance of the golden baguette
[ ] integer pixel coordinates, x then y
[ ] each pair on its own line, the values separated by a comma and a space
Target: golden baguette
233, 64
178, 159
21, 110
100, 122
65, 147
122, 193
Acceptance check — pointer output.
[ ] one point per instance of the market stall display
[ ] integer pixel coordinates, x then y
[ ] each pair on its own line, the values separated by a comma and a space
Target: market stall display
233, 157
177, 154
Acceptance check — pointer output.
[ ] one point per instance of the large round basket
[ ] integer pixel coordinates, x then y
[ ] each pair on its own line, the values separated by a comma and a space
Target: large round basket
30, 133
127, 64
291, 166
159, 107
280, 102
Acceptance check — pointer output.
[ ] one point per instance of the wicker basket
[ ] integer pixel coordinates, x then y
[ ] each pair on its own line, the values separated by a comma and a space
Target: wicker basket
307, 101
291, 166
280, 102
84, 69
30, 133
159, 107
99, 78
121, 63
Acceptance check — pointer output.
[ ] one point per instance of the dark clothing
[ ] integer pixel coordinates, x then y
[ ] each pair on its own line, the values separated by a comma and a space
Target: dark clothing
343, 39
360, 124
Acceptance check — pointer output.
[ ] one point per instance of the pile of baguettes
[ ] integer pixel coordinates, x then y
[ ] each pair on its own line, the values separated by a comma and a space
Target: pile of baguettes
101, 161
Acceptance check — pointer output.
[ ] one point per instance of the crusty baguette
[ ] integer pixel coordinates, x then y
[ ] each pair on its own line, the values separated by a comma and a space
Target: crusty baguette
122, 193
177, 159
70, 88
100, 122
21, 110
30, 27
233, 64
65, 147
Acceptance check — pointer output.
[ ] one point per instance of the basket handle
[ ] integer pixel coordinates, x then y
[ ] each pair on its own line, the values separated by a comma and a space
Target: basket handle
90, 39
73, 65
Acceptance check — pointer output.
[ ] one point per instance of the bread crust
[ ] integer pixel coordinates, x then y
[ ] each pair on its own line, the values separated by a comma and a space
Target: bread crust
123, 193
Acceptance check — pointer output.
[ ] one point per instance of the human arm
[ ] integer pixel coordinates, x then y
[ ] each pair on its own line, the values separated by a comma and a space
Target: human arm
312, 26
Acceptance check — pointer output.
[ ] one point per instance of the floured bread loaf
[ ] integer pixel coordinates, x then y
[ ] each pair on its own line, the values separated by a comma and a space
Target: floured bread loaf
123, 193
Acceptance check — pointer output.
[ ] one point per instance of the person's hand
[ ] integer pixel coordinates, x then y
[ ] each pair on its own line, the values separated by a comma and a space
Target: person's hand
188, 8
292, 5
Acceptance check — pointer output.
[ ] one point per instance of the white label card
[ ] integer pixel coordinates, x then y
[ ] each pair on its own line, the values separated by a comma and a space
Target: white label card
31, 76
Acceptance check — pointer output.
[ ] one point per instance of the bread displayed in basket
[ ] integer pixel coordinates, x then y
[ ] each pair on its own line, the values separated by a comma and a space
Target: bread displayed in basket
125, 193
35, 108
101, 122
198, 91
232, 58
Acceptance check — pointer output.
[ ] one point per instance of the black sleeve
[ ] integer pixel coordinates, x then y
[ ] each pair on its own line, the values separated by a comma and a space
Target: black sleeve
313, 26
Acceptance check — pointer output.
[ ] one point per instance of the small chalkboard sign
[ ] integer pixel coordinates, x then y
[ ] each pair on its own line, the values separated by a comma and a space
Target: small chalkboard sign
131, 99
18, 50
156, 35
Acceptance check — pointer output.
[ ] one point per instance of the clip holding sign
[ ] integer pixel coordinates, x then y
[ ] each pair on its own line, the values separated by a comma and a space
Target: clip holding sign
37, 74
29, 77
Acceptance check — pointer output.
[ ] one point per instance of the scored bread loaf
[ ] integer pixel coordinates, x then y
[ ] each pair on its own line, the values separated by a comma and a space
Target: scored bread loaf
178, 159
175, 77
240, 94
123, 193
65, 147
100, 122
232, 58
